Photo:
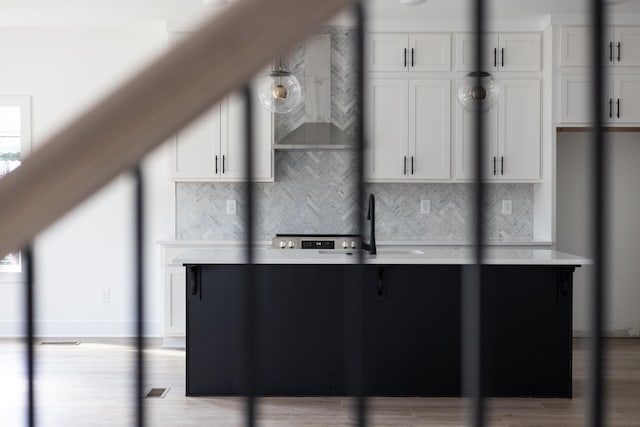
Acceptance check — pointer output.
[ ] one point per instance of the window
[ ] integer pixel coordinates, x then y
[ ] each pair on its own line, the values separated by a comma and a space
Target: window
15, 144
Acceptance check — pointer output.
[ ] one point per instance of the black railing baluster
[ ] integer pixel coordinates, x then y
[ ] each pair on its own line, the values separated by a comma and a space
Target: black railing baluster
596, 393
250, 305
473, 386
358, 352
139, 293
29, 306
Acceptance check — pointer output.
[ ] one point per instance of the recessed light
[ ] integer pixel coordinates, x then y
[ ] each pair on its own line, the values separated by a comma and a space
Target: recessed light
412, 2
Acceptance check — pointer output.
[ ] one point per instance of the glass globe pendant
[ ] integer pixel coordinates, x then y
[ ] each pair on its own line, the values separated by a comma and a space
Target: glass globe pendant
280, 91
472, 95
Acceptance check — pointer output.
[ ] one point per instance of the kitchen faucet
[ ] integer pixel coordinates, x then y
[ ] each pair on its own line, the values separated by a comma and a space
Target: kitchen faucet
371, 216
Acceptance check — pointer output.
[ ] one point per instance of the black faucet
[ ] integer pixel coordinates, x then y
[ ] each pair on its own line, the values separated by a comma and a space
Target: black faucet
371, 216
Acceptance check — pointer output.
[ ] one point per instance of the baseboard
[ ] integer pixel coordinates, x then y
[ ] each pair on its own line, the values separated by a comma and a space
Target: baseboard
13, 329
174, 342
614, 333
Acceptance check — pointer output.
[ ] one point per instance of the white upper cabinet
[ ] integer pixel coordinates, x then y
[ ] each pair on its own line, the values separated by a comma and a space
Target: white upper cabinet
212, 147
429, 129
502, 52
408, 138
387, 140
409, 52
621, 47
195, 153
519, 133
626, 98
512, 135
626, 46
621, 103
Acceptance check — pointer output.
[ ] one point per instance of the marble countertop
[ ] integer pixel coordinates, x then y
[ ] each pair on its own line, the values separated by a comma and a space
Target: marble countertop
452, 255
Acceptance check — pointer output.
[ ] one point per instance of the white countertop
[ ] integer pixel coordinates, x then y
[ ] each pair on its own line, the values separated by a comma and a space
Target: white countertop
386, 255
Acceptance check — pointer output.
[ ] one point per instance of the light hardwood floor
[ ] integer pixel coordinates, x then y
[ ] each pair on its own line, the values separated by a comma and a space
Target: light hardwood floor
91, 385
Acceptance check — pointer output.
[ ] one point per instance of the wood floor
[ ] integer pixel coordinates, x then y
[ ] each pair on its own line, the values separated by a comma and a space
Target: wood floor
90, 385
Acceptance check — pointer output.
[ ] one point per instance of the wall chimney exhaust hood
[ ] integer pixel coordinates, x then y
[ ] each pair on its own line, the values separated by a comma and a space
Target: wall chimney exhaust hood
317, 132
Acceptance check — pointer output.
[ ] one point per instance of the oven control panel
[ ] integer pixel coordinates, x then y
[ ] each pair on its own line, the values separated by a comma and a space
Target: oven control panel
316, 241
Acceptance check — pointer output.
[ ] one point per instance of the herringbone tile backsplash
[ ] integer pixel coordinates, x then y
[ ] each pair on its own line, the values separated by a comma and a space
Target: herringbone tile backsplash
313, 194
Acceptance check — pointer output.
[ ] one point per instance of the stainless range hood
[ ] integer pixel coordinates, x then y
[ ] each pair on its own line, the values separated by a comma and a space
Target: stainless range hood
317, 132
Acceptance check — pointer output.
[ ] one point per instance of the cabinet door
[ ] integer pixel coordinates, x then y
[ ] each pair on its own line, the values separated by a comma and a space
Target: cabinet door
575, 99
626, 98
387, 140
430, 52
519, 52
429, 129
465, 48
627, 46
196, 149
388, 52
519, 130
576, 47
465, 143
233, 143
412, 331
174, 301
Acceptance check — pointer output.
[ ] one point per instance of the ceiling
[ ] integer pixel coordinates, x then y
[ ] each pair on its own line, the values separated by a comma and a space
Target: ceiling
39, 12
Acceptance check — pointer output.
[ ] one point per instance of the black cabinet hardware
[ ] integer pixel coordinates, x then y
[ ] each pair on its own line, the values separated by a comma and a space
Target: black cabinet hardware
412, 61
495, 56
494, 165
610, 108
618, 108
502, 165
405, 165
618, 51
216, 163
192, 280
411, 165
405, 56
380, 288
502, 59
223, 164
610, 51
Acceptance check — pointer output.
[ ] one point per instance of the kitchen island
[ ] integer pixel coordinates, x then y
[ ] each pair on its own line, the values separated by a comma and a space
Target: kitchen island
411, 297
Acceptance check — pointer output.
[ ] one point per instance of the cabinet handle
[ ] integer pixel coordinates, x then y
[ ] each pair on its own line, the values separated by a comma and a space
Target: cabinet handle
495, 159
412, 61
502, 165
223, 163
405, 56
380, 288
405, 165
618, 108
618, 51
495, 56
216, 163
411, 165
610, 51
610, 108
502, 59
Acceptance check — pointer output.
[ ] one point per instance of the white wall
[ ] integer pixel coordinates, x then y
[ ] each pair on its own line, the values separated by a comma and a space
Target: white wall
64, 70
573, 229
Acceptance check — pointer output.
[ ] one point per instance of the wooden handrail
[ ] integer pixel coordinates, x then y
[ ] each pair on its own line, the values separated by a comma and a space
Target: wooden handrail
115, 134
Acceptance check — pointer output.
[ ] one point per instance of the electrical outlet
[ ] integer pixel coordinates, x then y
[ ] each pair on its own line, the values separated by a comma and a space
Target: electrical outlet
104, 295
425, 206
507, 207
231, 207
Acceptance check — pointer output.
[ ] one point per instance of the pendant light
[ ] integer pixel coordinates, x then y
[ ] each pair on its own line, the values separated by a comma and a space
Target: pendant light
279, 91
471, 94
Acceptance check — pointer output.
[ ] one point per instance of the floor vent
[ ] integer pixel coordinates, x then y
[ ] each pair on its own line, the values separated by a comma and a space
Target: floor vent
59, 343
157, 392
